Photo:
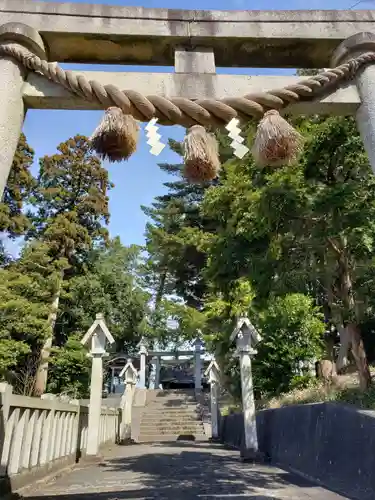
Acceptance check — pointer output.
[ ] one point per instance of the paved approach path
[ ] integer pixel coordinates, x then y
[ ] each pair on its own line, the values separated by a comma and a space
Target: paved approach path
178, 471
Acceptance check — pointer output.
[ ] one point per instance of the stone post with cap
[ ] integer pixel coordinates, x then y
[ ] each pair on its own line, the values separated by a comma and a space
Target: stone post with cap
247, 337
198, 365
213, 374
365, 81
12, 77
97, 335
143, 353
129, 373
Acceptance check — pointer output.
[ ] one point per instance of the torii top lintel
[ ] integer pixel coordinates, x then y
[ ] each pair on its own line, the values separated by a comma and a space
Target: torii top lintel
79, 33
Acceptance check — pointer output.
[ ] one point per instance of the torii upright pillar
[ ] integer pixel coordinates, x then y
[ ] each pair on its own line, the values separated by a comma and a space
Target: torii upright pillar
12, 75
354, 46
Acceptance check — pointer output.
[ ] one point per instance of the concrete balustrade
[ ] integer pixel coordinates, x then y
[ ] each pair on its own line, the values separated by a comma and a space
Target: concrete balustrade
41, 436
109, 425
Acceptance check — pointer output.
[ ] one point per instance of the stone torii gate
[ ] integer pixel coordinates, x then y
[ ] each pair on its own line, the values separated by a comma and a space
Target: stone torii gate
195, 42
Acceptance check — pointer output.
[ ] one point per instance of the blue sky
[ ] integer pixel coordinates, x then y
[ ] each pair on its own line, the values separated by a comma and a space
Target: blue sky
139, 180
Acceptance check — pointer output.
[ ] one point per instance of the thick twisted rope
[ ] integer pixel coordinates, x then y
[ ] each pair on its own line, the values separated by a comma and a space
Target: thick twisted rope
183, 111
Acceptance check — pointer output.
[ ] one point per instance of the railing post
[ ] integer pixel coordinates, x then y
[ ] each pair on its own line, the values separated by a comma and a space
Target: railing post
6, 391
12, 76
75, 437
37, 437
48, 432
15, 455
354, 46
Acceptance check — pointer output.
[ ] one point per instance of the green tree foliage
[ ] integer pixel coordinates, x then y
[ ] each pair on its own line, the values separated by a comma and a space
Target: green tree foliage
24, 295
71, 200
68, 271
108, 286
69, 371
13, 220
285, 245
304, 229
70, 213
292, 330
175, 259
173, 264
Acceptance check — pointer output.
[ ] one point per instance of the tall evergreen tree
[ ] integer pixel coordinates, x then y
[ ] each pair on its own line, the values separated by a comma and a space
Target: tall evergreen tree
71, 211
14, 220
25, 292
175, 262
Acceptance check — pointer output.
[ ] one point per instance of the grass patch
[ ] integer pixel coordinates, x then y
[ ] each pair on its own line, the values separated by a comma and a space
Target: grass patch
229, 409
343, 389
320, 392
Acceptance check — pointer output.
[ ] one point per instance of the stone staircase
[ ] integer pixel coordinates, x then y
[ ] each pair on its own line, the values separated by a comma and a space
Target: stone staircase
170, 415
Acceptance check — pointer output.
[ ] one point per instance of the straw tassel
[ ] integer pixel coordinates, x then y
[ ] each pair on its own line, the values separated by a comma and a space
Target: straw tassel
276, 142
201, 155
116, 136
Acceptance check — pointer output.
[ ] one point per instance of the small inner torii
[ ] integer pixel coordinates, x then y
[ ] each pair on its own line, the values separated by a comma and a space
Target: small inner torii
179, 368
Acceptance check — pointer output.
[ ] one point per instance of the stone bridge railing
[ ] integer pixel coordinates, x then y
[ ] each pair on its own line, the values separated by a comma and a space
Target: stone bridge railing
41, 436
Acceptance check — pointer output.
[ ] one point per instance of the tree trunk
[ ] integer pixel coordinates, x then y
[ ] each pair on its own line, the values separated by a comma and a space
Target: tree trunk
42, 371
336, 317
159, 297
342, 358
359, 354
352, 333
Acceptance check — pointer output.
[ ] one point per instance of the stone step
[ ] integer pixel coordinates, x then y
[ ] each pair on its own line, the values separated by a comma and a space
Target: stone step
171, 394
165, 429
173, 391
160, 438
174, 432
176, 397
173, 407
172, 404
170, 425
171, 413
178, 421
158, 397
170, 420
162, 400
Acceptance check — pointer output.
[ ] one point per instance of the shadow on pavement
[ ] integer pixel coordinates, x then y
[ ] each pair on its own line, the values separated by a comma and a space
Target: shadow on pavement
176, 471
